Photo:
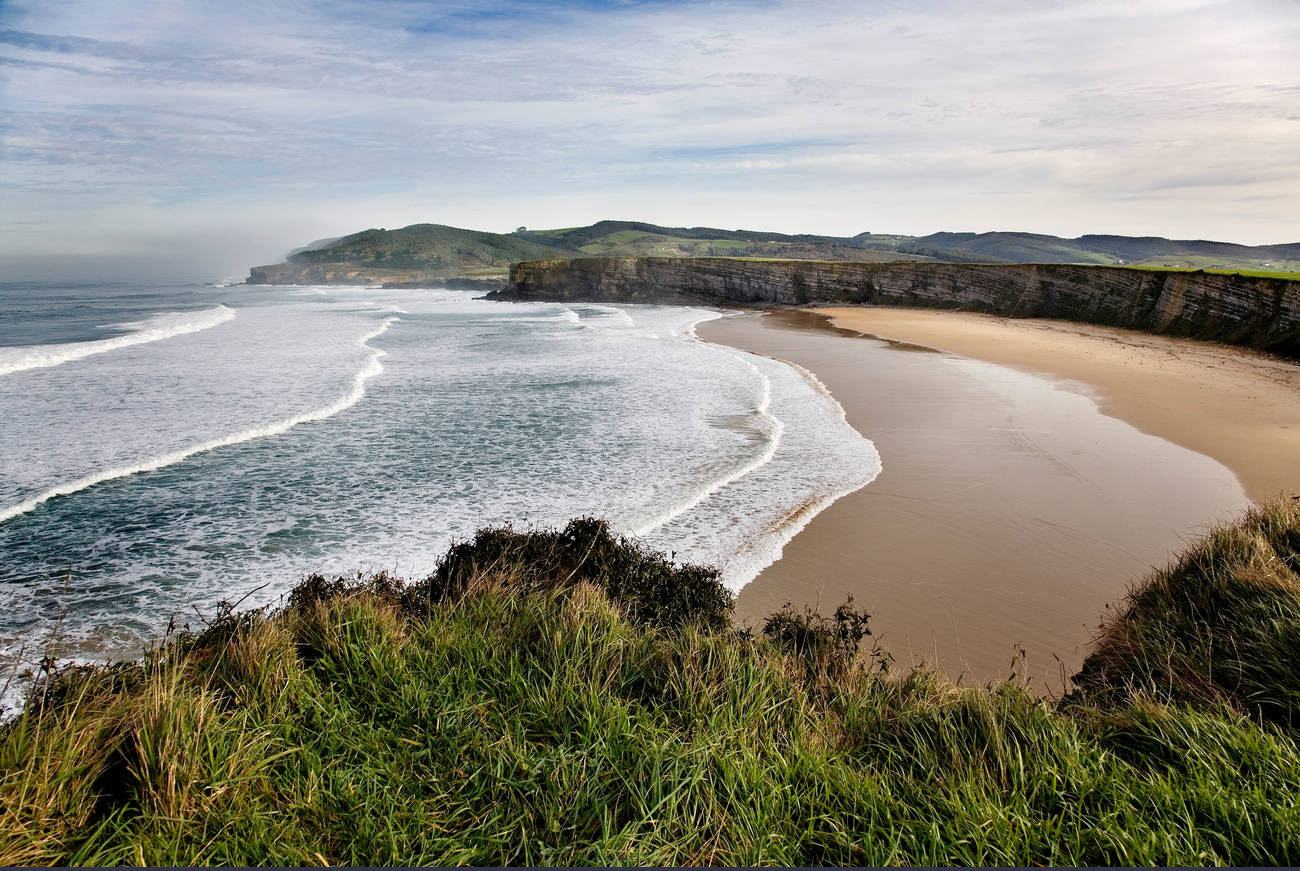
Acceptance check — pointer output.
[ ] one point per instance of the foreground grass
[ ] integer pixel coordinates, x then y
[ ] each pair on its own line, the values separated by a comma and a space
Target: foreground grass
567, 699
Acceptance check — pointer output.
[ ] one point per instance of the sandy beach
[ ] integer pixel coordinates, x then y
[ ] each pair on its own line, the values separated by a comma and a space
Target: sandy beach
1032, 470
1240, 407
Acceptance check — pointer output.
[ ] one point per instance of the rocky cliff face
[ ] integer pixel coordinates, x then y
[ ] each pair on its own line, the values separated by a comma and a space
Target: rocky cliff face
1256, 312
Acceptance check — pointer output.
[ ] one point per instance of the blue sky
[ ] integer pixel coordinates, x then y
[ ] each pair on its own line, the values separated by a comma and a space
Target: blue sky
178, 138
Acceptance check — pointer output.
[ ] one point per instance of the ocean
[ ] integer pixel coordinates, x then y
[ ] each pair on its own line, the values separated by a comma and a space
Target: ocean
166, 447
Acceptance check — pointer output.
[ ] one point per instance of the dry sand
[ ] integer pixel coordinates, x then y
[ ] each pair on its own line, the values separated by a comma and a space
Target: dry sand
1011, 510
1240, 407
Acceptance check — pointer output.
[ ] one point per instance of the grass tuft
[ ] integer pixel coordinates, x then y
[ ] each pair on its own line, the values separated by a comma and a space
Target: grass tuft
1220, 625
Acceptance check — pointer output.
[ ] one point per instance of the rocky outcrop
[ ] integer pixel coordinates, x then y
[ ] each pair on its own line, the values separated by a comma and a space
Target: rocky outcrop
1243, 310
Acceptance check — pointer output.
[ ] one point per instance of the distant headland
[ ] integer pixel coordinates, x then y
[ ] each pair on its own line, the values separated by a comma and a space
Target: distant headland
425, 253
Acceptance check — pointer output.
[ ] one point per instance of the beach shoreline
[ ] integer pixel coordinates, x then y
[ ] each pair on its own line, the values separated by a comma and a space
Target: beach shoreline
1016, 503
1239, 406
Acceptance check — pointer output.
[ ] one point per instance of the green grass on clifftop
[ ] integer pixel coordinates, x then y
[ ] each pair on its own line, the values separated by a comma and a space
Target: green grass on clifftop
567, 698
1288, 274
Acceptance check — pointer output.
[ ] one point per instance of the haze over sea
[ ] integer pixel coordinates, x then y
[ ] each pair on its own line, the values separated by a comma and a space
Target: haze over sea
168, 447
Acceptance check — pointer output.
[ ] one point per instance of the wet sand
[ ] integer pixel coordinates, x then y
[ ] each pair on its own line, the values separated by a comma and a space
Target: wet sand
1010, 510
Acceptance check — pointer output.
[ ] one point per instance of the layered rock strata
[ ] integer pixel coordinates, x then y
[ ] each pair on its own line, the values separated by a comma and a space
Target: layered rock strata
1236, 309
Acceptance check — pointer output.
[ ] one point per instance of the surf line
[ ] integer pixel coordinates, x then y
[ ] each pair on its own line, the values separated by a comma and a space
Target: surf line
767, 547
163, 327
371, 368
751, 559
777, 429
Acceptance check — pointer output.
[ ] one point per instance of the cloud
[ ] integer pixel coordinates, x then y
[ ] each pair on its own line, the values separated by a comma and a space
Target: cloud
800, 116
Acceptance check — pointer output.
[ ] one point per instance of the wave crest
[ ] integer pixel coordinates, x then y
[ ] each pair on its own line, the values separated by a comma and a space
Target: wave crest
157, 328
371, 368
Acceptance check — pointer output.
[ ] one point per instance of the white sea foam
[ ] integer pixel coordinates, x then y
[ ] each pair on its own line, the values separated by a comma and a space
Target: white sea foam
743, 525
772, 439
765, 548
371, 368
157, 328
689, 329
620, 316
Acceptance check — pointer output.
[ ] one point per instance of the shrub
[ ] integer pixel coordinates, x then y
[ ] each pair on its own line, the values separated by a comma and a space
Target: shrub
646, 585
828, 645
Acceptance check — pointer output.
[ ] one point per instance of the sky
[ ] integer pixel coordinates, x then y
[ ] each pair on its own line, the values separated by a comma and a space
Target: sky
187, 139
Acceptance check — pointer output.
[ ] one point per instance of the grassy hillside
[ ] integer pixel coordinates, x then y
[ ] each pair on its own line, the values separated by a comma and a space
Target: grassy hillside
1151, 251
1002, 248
429, 252
566, 698
636, 239
432, 247
601, 230
1139, 248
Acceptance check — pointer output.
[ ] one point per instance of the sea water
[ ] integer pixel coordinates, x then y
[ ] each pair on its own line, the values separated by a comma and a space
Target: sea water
164, 448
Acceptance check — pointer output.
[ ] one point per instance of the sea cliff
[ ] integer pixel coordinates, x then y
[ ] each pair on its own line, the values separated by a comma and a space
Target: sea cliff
1257, 312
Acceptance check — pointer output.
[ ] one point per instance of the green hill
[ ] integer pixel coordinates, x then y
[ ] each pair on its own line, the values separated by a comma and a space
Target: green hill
425, 253
1002, 248
433, 247
1155, 251
637, 239
418, 254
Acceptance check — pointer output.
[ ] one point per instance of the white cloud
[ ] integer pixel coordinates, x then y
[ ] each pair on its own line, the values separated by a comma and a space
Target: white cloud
127, 121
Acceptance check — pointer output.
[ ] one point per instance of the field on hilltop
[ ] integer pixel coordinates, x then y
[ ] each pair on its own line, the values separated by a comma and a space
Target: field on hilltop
1104, 251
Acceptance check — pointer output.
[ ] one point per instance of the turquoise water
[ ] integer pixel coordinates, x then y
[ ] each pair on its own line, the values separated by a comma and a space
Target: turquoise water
168, 447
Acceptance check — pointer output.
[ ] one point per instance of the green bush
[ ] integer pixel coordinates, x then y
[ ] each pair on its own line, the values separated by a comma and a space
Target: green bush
645, 584
828, 645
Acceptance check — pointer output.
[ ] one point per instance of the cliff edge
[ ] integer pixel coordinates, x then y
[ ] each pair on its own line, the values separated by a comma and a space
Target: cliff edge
1256, 312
